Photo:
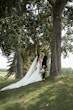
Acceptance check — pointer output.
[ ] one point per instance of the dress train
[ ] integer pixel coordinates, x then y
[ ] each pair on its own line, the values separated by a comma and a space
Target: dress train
33, 75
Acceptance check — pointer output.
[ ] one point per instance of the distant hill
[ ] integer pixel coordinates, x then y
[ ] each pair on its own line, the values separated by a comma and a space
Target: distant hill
3, 70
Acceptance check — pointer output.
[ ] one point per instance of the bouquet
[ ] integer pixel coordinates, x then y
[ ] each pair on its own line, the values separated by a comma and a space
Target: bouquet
42, 70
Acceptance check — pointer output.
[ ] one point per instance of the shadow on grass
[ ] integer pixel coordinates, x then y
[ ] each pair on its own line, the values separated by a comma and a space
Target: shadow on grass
47, 95
16, 106
59, 97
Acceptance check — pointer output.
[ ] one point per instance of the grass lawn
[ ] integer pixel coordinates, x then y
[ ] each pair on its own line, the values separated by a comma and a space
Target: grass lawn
46, 95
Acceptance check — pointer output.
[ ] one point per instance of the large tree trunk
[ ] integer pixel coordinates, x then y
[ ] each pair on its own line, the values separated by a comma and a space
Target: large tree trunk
56, 44
18, 63
56, 37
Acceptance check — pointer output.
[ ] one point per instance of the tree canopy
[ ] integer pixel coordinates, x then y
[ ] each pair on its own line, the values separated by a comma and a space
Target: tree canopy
26, 27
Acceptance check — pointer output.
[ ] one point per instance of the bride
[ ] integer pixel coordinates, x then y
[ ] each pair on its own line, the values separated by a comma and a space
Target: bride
33, 75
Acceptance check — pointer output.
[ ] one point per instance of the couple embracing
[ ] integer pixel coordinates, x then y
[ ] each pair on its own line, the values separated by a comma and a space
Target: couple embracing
42, 58
34, 73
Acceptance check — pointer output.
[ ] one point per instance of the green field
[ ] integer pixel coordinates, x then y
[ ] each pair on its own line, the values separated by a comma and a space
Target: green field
46, 95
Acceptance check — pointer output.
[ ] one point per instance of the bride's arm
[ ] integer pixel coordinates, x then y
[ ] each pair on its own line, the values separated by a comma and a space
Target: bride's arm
40, 61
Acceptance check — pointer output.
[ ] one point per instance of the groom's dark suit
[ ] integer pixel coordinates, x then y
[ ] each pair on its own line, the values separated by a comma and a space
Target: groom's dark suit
44, 65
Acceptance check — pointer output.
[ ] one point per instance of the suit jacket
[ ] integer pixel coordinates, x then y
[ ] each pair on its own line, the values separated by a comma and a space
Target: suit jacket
44, 61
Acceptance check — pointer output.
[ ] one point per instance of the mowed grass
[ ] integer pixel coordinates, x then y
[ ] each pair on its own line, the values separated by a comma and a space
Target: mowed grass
46, 95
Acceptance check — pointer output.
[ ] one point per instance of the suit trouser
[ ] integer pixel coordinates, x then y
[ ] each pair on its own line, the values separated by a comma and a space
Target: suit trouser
43, 75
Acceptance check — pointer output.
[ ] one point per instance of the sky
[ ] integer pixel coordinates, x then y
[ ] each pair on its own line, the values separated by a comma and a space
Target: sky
66, 63
3, 61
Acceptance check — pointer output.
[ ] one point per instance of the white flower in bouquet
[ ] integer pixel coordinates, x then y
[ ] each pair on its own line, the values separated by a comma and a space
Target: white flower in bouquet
42, 70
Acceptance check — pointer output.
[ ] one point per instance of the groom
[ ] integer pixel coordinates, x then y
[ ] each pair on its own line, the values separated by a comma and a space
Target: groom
44, 64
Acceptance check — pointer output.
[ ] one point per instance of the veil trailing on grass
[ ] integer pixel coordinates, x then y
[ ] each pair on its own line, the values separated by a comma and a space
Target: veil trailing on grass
23, 81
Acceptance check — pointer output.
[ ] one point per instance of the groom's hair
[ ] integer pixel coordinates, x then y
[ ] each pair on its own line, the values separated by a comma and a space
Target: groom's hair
42, 51
38, 55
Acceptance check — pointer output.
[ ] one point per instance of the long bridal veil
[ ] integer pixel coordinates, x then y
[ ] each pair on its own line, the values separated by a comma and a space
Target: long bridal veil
22, 82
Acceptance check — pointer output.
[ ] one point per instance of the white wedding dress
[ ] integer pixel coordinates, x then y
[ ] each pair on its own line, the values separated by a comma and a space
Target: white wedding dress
33, 75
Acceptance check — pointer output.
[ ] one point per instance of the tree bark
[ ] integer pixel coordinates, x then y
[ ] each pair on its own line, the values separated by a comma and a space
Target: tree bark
55, 68
18, 63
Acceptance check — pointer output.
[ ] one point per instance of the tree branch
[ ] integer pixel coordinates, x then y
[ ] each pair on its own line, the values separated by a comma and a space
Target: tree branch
52, 2
61, 4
